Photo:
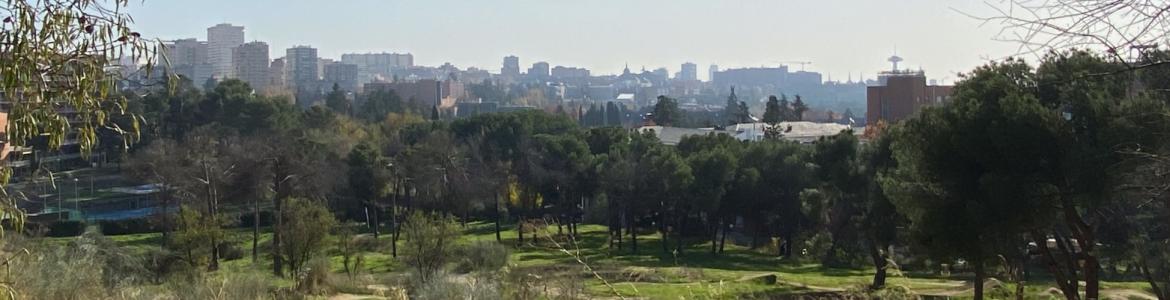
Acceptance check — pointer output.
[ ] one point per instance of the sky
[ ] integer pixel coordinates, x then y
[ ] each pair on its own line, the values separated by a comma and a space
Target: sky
841, 38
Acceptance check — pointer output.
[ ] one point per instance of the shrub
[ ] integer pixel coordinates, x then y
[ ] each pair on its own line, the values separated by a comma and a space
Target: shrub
65, 229
266, 219
313, 277
483, 256
430, 241
127, 226
305, 231
90, 266
161, 263
439, 287
230, 251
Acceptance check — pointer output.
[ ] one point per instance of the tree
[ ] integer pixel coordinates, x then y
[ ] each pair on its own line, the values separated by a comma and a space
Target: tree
666, 112
305, 232
337, 101
613, 115
773, 111
192, 231
430, 243
381, 102
879, 217
798, 109
57, 54
1114, 26
663, 179
364, 183
973, 197
713, 163
735, 111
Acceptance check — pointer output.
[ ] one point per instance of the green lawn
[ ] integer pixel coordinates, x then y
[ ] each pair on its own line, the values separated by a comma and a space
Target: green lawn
692, 274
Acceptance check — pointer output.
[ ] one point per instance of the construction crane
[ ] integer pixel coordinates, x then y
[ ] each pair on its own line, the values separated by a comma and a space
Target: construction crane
801, 63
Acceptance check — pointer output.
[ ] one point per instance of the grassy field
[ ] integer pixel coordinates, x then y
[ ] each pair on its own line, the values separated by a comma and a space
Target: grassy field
692, 274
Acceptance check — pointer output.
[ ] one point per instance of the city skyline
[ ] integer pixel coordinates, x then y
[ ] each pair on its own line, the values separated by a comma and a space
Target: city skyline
932, 35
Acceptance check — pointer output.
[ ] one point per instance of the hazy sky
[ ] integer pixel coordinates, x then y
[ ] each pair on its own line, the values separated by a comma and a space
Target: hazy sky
838, 36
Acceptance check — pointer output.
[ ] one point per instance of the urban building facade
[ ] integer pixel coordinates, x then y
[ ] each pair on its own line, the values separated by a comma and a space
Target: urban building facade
188, 58
301, 74
538, 70
900, 94
344, 75
221, 39
511, 66
562, 72
252, 64
689, 72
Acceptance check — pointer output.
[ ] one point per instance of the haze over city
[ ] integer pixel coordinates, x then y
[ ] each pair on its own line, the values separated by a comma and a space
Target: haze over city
840, 37
588, 149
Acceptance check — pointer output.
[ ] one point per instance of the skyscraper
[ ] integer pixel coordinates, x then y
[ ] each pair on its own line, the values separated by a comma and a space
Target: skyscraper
276, 74
511, 66
690, 72
188, 58
342, 74
301, 73
539, 70
711, 72
221, 39
251, 64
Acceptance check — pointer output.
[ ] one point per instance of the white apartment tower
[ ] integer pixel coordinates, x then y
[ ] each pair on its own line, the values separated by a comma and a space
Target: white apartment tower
300, 67
221, 39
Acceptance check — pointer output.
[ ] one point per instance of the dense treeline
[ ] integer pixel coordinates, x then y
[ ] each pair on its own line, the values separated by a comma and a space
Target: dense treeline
1058, 168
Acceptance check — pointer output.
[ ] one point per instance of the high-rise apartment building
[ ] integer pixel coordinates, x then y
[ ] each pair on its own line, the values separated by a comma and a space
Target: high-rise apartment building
252, 64
300, 67
188, 58
511, 66
689, 72
344, 75
539, 70
378, 66
569, 72
221, 39
276, 73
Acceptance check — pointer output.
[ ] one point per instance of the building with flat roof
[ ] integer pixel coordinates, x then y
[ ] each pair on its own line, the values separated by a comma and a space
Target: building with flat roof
221, 39
689, 72
343, 75
252, 64
188, 58
511, 66
901, 93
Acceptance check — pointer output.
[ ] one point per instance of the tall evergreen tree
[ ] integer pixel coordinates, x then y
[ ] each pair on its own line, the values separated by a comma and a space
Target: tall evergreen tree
773, 111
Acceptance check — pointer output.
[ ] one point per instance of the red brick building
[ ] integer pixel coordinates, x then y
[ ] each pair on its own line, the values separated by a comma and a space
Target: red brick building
900, 94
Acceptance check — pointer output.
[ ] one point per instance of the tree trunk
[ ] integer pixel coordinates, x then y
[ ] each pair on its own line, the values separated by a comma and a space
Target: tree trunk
979, 278
678, 236
520, 232
880, 263
496, 215
714, 238
377, 222
277, 262
633, 229
723, 237
1092, 281
1145, 271
662, 230
255, 230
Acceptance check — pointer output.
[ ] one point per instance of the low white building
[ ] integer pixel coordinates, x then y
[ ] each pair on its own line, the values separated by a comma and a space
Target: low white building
802, 132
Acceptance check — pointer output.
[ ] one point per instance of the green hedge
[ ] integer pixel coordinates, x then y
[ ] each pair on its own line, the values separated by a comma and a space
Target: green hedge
65, 229
128, 226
